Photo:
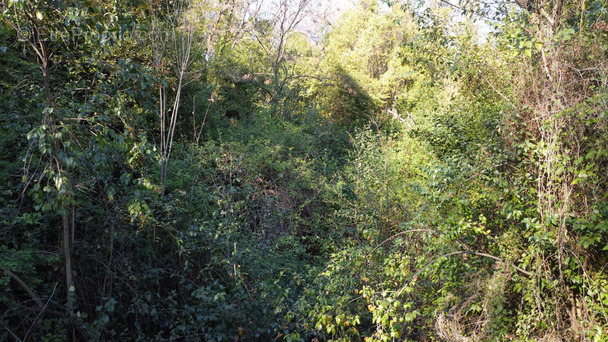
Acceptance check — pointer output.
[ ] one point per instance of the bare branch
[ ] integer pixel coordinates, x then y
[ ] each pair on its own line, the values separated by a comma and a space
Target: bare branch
24, 286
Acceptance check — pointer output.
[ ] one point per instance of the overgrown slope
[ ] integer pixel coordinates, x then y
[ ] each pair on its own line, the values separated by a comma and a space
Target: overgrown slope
205, 170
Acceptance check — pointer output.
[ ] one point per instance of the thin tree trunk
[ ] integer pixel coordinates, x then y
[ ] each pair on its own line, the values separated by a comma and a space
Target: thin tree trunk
68, 260
45, 61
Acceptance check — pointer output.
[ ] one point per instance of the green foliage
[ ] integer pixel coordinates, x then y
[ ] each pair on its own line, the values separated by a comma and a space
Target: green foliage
400, 180
364, 60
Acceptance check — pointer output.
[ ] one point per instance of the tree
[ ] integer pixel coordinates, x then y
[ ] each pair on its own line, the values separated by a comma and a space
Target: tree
37, 25
65, 41
176, 46
364, 56
57, 35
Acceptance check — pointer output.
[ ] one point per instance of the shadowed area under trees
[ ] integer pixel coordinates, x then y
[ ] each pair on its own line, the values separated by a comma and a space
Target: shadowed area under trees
249, 170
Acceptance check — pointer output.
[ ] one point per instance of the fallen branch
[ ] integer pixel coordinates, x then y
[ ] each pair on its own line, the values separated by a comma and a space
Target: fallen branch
427, 230
415, 276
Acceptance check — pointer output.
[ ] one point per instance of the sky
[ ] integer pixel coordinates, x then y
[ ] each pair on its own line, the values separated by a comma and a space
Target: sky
331, 10
341, 5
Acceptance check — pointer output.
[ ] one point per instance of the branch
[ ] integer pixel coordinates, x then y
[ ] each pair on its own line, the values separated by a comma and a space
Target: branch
473, 12
13, 335
497, 91
415, 276
25, 287
40, 313
428, 230
322, 80
41, 308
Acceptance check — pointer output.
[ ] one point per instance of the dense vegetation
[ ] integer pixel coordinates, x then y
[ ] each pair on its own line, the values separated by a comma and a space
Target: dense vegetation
232, 170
